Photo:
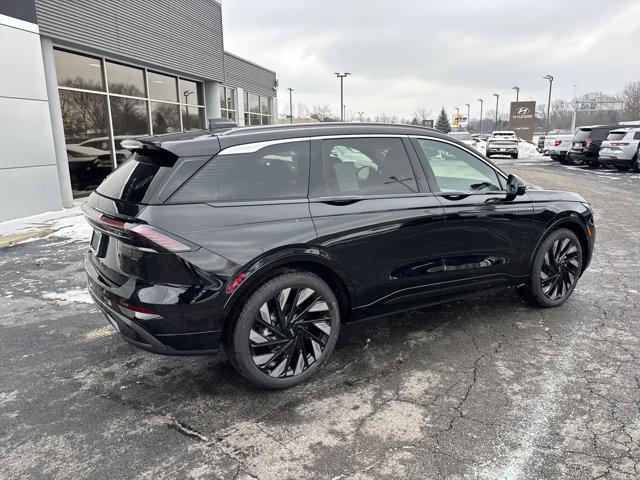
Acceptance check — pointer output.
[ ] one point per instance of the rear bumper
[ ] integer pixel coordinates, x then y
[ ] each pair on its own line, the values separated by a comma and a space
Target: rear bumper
153, 333
615, 161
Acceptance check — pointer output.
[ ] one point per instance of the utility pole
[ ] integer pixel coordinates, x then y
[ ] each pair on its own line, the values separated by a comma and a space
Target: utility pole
468, 114
481, 103
341, 77
550, 78
497, 98
517, 89
290, 104
575, 109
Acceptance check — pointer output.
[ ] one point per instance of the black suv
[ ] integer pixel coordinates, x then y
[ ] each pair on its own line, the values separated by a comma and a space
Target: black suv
586, 145
265, 240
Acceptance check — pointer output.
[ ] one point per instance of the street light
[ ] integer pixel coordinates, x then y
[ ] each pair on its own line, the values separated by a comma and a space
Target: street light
517, 89
481, 103
341, 77
497, 98
550, 78
290, 104
186, 94
468, 114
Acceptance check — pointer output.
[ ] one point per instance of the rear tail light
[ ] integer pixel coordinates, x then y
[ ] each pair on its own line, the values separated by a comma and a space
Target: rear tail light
557, 143
620, 144
121, 302
146, 232
588, 142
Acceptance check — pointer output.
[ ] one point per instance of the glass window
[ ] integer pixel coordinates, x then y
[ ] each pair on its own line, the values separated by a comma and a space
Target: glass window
254, 104
616, 135
130, 117
456, 170
228, 98
125, 80
636, 136
162, 87
254, 119
165, 118
192, 118
367, 166
274, 172
78, 71
190, 92
85, 120
265, 106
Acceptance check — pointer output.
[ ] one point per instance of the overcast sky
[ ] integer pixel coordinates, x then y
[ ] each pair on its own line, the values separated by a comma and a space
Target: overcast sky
404, 54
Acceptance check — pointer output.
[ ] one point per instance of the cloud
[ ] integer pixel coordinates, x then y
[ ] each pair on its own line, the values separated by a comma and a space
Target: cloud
434, 54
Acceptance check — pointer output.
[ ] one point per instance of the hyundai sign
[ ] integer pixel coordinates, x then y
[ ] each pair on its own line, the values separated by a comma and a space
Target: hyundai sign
523, 119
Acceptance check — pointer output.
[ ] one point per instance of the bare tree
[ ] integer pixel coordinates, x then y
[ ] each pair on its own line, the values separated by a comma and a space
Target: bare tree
631, 96
420, 114
323, 113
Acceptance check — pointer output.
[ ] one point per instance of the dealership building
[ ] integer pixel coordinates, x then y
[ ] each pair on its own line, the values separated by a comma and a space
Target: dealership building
79, 77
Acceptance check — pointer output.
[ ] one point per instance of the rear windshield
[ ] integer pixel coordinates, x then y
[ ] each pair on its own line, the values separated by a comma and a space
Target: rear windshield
616, 135
582, 135
139, 178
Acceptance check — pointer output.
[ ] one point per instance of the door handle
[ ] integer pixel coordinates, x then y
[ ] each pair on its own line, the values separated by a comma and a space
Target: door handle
455, 196
340, 201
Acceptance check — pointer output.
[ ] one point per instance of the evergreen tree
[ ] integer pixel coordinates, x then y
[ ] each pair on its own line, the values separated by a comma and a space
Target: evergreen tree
442, 123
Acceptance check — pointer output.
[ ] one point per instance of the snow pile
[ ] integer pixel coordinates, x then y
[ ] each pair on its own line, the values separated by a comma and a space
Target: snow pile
69, 223
74, 296
526, 149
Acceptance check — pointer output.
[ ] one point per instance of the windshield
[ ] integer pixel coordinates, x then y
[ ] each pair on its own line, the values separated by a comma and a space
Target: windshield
582, 134
616, 135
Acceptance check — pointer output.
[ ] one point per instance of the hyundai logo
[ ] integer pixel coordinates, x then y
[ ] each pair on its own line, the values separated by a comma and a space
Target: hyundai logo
523, 110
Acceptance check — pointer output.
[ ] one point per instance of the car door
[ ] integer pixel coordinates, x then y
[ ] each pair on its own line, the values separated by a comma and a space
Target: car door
375, 218
488, 239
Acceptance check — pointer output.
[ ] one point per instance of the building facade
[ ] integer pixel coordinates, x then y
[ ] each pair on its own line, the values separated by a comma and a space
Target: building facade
78, 78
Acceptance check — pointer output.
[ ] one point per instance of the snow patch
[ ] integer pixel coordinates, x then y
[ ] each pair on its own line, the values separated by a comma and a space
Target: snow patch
77, 295
69, 224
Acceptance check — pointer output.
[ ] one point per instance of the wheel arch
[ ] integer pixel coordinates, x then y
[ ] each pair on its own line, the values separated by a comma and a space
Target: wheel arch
278, 263
570, 223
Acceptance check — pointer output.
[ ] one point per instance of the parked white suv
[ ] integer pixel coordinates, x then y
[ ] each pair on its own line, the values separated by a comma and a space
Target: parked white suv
620, 149
466, 138
503, 142
558, 145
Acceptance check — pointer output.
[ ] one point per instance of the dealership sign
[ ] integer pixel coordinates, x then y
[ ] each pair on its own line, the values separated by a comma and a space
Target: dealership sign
523, 119
460, 120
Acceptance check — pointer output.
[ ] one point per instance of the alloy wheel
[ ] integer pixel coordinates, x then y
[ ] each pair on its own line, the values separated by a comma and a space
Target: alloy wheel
289, 332
560, 268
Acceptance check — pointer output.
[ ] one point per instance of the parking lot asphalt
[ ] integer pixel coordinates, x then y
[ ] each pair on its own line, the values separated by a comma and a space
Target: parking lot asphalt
483, 388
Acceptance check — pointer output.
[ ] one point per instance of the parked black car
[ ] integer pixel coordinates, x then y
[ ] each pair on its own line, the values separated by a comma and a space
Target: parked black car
266, 239
586, 145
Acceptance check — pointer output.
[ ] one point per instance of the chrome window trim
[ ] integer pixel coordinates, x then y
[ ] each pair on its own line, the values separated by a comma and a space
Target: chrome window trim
255, 146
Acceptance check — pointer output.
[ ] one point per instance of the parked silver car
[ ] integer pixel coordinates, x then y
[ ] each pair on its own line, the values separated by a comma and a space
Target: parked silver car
620, 149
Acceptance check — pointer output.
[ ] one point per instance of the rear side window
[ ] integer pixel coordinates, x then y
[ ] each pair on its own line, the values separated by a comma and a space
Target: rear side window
636, 136
139, 178
365, 166
598, 134
274, 172
582, 135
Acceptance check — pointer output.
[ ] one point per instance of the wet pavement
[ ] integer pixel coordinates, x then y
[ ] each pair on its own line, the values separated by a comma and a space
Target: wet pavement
483, 388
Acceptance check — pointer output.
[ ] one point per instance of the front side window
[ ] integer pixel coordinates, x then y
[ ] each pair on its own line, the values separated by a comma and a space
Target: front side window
366, 166
275, 172
456, 170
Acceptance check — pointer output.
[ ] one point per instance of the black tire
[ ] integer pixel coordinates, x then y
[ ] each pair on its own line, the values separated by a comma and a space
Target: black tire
514, 156
299, 335
593, 165
622, 168
551, 281
635, 165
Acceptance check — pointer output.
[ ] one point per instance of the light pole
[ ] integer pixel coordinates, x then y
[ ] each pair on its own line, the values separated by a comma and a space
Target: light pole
517, 89
341, 77
186, 94
290, 104
468, 113
481, 103
575, 108
550, 78
497, 99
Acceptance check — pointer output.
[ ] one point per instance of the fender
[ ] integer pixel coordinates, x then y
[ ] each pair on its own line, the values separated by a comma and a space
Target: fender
565, 218
262, 267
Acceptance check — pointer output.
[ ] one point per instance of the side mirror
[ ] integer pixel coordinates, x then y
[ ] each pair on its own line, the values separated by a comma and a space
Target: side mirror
515, 187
